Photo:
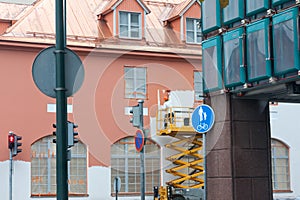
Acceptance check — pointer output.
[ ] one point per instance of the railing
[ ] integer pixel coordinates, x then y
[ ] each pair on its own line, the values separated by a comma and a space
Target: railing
174, 118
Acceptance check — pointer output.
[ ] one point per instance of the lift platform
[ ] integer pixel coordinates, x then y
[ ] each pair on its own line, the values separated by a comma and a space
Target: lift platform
187, 165
174, 120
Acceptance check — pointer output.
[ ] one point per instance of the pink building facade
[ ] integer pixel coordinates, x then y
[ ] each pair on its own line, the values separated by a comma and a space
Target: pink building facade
141, 62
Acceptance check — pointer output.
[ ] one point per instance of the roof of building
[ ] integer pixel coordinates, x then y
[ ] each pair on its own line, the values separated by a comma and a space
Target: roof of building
23, 2
11, 11
179, 9
114, 3
84, 28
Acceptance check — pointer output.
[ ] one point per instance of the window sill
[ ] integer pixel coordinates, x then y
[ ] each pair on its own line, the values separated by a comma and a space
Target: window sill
54, 195
282, 191
131, 38
193, 43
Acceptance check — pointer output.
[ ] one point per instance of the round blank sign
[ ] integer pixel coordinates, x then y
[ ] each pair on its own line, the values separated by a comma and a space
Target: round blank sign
44, 72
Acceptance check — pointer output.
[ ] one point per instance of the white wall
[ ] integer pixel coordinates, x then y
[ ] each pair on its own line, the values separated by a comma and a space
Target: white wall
98, 183
285, 126
20, 181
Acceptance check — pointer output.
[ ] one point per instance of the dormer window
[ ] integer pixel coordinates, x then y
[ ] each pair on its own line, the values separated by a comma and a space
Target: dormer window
193, 31
125, 18
184, 18
130, 25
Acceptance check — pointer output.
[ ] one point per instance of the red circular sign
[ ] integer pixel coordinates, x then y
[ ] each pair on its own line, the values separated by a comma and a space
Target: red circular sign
139, 140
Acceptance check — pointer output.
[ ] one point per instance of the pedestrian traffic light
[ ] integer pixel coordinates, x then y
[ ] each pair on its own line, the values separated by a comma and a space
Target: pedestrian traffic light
54, 133
136, 115
72, 134
14, 144
11, 140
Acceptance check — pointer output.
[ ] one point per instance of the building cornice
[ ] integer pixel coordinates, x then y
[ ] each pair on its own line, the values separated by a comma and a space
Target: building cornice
85, 48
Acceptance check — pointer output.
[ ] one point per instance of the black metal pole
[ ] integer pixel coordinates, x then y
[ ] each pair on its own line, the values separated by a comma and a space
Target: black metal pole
61, 106
117, 185
142, 152
65, 22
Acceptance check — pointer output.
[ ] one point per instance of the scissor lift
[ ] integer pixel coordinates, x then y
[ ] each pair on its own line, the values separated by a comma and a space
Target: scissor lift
188, 162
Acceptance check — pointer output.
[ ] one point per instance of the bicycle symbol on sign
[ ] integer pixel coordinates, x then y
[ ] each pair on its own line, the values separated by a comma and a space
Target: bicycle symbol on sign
202, 117
202, 127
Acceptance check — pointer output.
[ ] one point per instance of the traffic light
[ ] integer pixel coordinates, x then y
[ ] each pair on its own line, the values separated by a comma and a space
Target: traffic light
136, 116
17, 144
72, 134
14, 144
54, 133
11, 140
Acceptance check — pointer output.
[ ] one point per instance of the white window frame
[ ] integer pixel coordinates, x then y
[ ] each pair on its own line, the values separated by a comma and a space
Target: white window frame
129, 25
196, 30
45, 168
134, 91
121, 166
275, 182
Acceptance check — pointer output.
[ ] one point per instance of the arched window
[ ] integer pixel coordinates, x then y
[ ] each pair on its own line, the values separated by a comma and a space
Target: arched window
43, 168
125, 163
280, 166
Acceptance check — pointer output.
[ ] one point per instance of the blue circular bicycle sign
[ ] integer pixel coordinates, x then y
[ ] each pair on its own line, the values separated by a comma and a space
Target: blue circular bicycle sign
203, 118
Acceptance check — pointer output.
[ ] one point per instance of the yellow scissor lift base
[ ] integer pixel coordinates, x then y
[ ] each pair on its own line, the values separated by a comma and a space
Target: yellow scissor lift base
188, 163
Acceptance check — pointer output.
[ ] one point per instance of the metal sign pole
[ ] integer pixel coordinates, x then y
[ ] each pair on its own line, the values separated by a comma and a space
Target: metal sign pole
10, 174
204, 163
117, 191
142, 156
117, 186
61, 106
142, 152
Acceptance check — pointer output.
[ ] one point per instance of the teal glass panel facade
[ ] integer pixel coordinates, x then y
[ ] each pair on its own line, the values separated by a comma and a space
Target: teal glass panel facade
286, 42
211, 19
212, 64
256, 6
233, 12
258, 60
234, 70
277, 2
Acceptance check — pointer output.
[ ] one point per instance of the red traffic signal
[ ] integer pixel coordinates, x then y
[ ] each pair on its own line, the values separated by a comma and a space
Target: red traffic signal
14, 142
11, 141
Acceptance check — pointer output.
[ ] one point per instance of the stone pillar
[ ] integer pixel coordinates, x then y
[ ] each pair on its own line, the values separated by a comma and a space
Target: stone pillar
238, 150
